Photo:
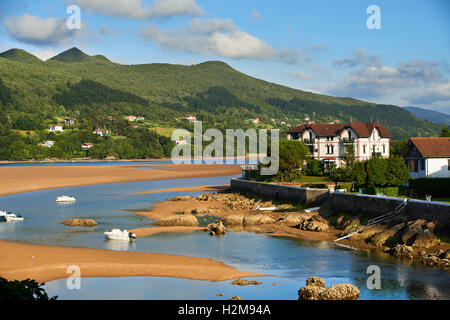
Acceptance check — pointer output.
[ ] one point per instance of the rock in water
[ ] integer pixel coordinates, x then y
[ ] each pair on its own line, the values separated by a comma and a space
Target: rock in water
315, 290
217, 229
310, 293
340, 292
315, 282
242, 282
79, 222
235, 298
178, 220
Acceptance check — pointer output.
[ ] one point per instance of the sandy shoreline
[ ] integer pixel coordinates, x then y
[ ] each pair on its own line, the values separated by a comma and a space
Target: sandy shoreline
200, 188
46, 263
25, 179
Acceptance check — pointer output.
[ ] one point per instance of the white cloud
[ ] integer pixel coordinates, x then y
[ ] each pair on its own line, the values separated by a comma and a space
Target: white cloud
218, 37
137, 9
419, 83
358, 57
44, 54
37, 31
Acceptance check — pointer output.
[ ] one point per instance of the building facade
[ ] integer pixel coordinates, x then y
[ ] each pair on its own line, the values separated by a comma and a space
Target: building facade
327, 142
428, 157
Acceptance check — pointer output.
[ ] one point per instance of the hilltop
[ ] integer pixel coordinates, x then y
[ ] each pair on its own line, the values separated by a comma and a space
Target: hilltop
430, 115
213, 91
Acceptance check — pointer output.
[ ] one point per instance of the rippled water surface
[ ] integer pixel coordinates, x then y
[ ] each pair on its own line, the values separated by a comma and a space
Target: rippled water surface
289, 261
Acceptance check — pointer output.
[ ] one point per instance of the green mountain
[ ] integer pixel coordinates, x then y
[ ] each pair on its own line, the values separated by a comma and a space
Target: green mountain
430, 115
19, 55
76, 84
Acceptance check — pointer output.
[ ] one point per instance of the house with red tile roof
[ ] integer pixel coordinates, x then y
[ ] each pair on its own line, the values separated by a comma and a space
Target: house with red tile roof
327, 142
428, 157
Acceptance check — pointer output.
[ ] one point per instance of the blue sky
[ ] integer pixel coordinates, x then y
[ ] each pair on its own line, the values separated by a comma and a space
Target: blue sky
322, 46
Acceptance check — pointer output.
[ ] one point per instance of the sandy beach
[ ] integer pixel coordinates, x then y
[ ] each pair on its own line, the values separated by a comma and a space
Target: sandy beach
46, 263
25, 179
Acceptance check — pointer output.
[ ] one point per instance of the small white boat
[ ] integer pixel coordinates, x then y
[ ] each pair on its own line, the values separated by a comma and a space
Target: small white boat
8, 216
266, 208
117, 234
64, 198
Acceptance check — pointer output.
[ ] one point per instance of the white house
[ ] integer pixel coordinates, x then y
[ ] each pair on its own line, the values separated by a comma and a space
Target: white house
48, 143
327, 142
191, 118
56, 128
86, 145
428, 157
180, 141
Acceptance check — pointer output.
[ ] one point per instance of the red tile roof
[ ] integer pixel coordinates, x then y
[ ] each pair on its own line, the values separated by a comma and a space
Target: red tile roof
432, 147
362, 129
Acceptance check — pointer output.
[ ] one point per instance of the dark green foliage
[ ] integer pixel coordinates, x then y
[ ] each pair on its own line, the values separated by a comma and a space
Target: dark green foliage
71, 55
380, 172
5, 94
445, 132
359, 173
88, 92
292, 155
436, 187
20, 55
396, 172
316, 168
396, 147
22, 290
376, 171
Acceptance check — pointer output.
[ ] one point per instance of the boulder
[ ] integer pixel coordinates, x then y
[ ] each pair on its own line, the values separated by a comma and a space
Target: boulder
181, 198
315, 223
79, 222
340, 292
255, 219
235, 298
233, 219
217, 229
242, 282
315, 282
178, 220
310, 293
402, 250
293, 219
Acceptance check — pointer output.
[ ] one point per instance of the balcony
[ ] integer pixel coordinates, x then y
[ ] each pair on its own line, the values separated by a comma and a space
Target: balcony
309, 141
348, 140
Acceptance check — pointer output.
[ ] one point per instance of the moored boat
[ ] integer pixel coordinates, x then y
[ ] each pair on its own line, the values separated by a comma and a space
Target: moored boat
117, 234
8, 216
65, 198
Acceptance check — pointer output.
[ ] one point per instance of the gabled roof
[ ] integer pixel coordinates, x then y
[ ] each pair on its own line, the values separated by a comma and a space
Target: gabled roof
362, 129
428, 147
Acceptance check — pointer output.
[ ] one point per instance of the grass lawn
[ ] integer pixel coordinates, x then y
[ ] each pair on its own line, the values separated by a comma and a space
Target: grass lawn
313, 179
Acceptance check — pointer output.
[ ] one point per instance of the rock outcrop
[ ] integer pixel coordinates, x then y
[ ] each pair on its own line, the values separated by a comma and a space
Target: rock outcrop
242, 282
315, 290
79, 222
178, 220
314, 223
217, 229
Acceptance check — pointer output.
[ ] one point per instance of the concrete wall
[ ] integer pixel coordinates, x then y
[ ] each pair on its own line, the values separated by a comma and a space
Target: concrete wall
356, 204
279, 192
372, 206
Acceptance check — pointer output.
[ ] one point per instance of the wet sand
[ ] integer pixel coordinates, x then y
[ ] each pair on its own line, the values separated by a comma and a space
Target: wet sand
25, 179
45, 263
143, 232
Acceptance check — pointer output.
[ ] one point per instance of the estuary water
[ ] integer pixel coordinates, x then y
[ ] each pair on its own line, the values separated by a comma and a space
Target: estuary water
289, 261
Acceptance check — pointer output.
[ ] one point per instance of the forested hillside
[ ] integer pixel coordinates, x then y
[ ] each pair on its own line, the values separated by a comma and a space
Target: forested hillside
98, 93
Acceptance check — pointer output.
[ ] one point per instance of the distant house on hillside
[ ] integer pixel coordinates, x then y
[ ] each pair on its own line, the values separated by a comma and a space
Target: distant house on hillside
428, 157
48, 143
130, 118
56, 128
101, 132
86, 145
140, 119
69, 121
191, 118
327, 142
180, 141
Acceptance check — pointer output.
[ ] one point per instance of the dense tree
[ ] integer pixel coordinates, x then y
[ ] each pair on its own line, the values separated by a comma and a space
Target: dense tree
22, 290
397, 146
376, 171
445, 132
292, 155
396, 171
316, 168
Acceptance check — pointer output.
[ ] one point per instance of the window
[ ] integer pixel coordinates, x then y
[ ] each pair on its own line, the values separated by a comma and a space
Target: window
384, 148
413, 165
422, 164
330, 149
448, 165
364, 148
329, 138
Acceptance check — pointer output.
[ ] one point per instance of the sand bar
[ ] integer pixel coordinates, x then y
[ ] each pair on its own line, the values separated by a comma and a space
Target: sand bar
50, 263
200, 188
25, 179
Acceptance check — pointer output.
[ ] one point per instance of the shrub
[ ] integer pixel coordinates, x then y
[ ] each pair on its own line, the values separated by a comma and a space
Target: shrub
437, 187
22, 290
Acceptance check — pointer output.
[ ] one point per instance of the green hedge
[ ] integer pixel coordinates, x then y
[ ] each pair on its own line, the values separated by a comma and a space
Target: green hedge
437, 187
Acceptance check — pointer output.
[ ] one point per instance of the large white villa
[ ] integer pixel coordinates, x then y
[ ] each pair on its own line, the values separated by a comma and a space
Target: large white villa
327, 141
428, 157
